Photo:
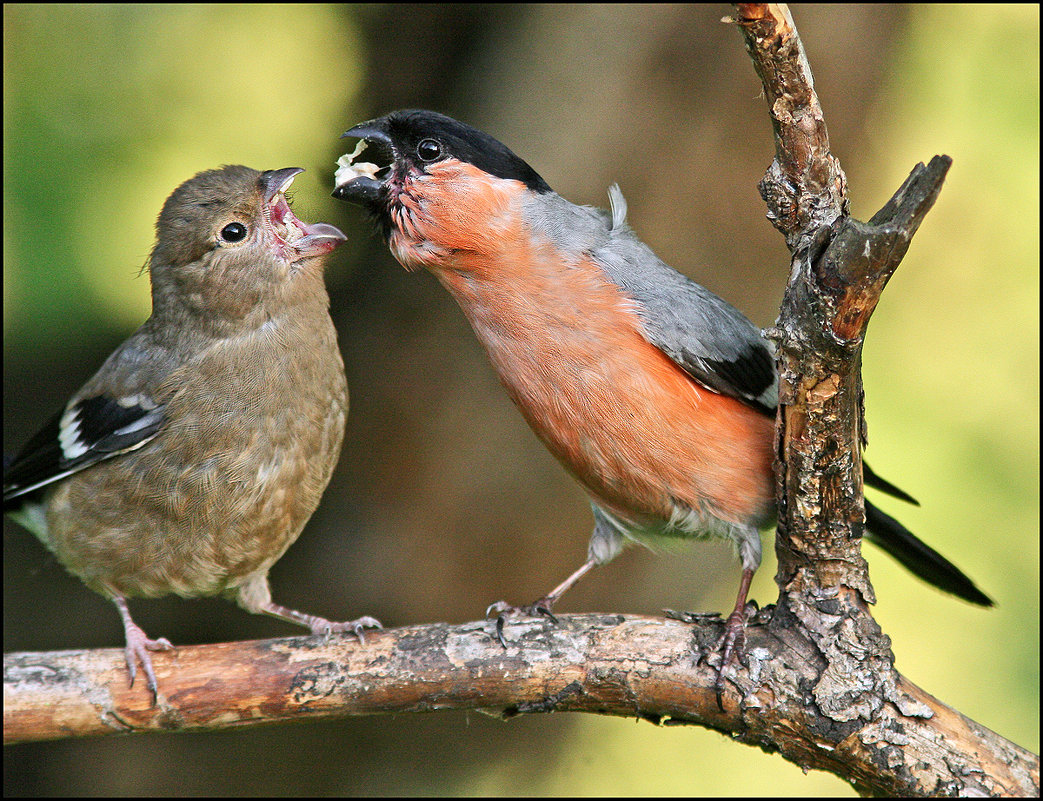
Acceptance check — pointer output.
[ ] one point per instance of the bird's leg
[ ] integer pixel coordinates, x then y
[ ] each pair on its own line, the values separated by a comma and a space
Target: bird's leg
731, 641
254, 595
320, 625
543, 606
138, 647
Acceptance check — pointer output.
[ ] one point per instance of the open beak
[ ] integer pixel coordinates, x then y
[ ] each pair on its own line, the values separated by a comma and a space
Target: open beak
359, 181
294, 238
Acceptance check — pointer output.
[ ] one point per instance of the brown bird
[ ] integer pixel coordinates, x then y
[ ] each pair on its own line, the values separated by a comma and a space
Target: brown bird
193, 458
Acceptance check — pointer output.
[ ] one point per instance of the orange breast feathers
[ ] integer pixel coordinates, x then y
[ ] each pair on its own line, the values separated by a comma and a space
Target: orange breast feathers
463, 210
645, 440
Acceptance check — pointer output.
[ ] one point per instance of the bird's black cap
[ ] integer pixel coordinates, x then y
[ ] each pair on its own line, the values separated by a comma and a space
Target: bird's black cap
403, 132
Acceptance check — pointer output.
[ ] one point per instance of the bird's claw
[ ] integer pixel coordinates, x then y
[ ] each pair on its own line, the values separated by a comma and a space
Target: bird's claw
504, 610
137, 650
499, 631
356, 627
730, 645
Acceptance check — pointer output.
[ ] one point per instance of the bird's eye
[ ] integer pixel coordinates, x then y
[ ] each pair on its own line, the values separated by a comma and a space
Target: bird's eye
428, 150
233, 232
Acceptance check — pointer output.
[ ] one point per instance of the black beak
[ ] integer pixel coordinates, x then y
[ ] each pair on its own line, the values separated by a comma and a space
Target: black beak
364, 190
371, 131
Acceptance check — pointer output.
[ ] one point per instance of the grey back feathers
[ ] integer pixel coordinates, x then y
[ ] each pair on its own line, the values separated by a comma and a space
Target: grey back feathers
707, 337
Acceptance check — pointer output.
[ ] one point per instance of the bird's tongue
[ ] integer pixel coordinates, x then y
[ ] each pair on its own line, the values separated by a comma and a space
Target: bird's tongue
296, 238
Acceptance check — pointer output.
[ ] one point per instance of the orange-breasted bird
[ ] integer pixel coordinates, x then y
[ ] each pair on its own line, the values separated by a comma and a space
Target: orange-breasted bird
192, 459
657, 396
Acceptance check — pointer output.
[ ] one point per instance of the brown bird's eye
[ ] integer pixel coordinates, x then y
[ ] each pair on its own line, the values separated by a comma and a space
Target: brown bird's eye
233, 232
428, 150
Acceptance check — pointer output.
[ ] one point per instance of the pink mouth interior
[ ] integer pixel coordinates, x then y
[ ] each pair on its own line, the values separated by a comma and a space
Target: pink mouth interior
282, 218
295, 239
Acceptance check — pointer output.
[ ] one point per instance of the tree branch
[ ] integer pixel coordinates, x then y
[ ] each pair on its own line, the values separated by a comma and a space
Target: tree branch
623, 665
805, 188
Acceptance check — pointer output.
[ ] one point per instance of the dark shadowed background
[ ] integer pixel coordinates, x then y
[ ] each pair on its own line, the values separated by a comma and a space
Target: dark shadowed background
444, 500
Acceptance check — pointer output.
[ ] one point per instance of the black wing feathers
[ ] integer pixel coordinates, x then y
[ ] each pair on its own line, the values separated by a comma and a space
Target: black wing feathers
747, 376
77, 437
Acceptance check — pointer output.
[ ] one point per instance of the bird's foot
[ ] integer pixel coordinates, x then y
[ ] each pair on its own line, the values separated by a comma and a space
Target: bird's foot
318, 625
137, 650
731, 645
504, 610
138, 647
321, 626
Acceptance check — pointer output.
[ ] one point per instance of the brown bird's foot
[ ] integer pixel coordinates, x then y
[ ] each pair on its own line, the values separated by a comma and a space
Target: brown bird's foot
320, 625
137, 650
732, 641
504, 610
138, 647
356, 627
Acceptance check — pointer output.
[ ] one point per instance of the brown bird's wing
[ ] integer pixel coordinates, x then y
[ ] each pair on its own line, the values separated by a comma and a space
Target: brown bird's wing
85, 432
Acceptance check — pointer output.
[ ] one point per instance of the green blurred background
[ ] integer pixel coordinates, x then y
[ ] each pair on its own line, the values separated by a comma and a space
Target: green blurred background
444, 501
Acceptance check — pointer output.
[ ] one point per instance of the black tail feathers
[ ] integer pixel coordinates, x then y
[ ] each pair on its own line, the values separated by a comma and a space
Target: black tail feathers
919, 557
871, 479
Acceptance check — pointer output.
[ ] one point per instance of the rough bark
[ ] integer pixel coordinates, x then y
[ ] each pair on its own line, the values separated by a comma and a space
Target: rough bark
622, 665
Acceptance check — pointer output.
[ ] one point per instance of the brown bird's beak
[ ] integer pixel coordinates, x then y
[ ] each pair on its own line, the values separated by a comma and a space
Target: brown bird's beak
294, 238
